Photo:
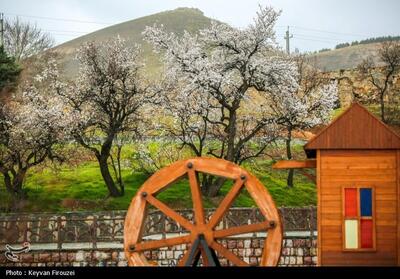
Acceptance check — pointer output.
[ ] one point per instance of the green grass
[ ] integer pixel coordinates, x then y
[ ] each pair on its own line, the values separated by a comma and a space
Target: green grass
82, 188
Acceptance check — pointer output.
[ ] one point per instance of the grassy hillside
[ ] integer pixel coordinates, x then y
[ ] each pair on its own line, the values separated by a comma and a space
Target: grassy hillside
81, 187
175, 21
193, 20
345, 58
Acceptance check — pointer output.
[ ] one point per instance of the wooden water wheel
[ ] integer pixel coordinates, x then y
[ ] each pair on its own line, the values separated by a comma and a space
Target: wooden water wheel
202, 234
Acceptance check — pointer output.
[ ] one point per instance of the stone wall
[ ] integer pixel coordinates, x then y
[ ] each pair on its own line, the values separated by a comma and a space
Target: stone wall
295, 252
96, 239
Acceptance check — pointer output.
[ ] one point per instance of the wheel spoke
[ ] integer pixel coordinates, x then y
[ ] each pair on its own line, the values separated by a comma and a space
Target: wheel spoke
225, 204
228, 254
170, 212
243, 229
155, 244
196, 197
184, 259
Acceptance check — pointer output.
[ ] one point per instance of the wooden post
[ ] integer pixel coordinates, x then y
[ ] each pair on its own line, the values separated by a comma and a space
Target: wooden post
319, 237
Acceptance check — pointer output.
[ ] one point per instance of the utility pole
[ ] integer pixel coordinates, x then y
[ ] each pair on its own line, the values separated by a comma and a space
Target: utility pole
287, 38
2, 29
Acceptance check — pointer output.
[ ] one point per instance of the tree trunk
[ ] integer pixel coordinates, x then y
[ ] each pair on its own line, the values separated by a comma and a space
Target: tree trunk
382, 103
108, 180
289, 157
14, 186
18, 182
211, 185
231, 130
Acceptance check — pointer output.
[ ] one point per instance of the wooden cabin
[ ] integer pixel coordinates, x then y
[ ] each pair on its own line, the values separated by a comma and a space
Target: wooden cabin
357, 161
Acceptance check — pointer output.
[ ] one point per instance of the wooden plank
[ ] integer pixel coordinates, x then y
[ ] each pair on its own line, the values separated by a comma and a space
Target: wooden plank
133, 229
335, 204
184, 259
386, 227
387, 210
272, 247
264, 201
164, 177
363, 258
333, 210
388, 235
371, 178
196, 198
335, 222
228, 254
330, 216
357, 153
328, 198
352, 172
398, 207
156, 244
388, 249
386, 222
295, 164
332, 235
217, 167
338, 166
319, 208
350, 158
385, 188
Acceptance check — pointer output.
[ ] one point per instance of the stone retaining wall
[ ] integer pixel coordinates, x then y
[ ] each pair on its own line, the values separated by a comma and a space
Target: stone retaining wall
96, 238
295, 252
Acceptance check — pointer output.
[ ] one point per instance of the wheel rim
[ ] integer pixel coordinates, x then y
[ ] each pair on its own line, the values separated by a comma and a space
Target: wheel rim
135, 219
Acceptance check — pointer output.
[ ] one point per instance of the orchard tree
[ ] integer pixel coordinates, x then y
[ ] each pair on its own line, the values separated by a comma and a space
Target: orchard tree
305, 107
107, 100
223, 65
31, 129
389, 56
23, 39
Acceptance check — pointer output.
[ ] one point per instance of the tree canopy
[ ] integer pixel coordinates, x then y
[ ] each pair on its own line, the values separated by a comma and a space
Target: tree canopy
9, 70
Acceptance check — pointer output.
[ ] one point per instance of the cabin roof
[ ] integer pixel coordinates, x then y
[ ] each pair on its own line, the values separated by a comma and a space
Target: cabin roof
356, 128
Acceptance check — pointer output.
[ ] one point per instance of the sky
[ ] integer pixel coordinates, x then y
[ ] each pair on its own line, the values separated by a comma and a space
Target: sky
315, 24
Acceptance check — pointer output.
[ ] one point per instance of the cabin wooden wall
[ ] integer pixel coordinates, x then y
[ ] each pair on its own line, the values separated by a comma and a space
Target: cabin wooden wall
339, 168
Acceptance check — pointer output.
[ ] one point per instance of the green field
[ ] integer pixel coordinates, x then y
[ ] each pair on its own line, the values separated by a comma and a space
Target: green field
79, 186
74, 188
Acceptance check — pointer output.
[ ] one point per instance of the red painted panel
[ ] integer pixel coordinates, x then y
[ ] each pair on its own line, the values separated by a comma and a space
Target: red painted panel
366, 234
350, 202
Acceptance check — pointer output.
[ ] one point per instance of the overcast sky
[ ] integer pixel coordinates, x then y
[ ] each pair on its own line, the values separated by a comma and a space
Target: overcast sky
315, 24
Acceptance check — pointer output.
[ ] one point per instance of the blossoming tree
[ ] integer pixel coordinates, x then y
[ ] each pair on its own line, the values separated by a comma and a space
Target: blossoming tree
302, 107
222, 65
31, 128
107, 99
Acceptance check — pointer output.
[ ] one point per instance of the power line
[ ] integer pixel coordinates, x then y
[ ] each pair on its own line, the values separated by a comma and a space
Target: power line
66, 31
330, 32
319, 37
314, 40
61, 19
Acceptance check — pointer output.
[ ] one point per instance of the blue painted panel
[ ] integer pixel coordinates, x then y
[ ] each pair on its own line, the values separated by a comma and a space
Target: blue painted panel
366, 201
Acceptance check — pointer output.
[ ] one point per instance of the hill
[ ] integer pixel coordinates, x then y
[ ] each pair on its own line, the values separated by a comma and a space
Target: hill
175, 21
345, 58
192, 20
